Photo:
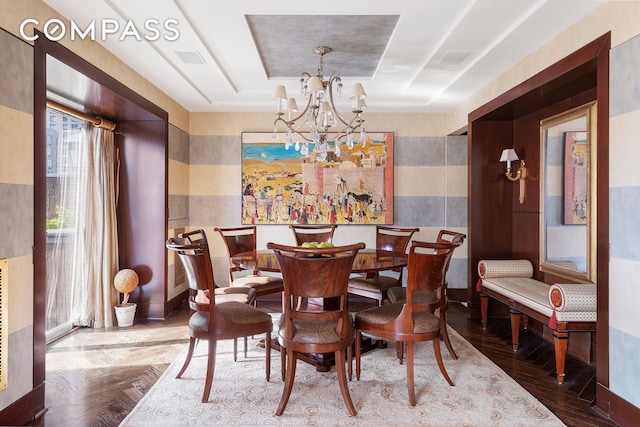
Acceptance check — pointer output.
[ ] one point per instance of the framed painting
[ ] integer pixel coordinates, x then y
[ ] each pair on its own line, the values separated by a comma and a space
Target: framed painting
345, 186
576, 177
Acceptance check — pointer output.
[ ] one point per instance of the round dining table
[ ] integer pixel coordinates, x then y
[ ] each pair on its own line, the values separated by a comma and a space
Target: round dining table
367, 261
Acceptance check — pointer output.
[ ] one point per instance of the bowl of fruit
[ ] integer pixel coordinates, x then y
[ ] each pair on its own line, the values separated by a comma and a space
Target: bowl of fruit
316, 245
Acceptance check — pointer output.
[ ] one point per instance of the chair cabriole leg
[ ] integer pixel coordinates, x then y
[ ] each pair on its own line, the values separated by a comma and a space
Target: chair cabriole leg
438, 353
192, 346
342, 381
410, 380
288, 384
211, 366
358, 353
445, 336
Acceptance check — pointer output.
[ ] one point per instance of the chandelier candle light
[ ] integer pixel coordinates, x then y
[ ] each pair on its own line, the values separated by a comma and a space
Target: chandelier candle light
320, 122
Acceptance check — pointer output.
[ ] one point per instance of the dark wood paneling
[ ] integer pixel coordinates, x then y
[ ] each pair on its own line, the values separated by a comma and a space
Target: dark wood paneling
111, 99
142, 211
602, 331
573, 74
22, 411
490, 198
76, 81
39, 217
575, 80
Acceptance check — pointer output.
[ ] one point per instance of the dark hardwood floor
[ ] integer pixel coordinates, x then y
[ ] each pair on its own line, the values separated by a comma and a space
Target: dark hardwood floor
94, 378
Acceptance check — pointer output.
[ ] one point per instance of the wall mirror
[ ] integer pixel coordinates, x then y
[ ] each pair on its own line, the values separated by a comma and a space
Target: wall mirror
568, 194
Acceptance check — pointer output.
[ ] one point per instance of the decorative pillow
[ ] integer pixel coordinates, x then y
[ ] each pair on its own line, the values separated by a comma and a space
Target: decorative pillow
488, 269
573, 296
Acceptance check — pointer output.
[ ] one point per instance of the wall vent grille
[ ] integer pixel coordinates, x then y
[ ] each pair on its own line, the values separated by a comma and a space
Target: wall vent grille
4, 284
180, 274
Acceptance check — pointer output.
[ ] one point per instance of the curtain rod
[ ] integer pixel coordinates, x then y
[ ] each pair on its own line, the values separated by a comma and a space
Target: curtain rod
97, 121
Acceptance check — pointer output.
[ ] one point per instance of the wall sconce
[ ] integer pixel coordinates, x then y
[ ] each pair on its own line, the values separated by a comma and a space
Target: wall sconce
509, 155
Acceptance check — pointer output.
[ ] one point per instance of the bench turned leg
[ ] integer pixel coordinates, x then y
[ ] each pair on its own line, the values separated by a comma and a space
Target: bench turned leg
515, 329
560, 342
484, 308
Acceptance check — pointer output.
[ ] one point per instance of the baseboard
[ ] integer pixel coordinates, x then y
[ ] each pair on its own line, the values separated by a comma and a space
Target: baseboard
615, 407
459, 295
29, 407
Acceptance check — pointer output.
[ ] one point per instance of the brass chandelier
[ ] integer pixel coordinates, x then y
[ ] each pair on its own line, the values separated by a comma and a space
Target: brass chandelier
320, 122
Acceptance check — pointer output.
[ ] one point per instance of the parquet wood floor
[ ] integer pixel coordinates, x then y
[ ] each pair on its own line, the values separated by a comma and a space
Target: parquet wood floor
94, 378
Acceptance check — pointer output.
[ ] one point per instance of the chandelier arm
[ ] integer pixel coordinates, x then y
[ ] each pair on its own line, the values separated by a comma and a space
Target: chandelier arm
345, 121
350, 124
289, 126
279, 119
301, 135
302, 114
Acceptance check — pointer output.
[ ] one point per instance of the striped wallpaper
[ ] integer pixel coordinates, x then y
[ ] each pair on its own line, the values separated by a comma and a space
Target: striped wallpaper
16, 209
624, 228
430, 180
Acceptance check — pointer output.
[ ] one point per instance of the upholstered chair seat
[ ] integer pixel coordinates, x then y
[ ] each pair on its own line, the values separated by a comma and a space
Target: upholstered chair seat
243, 295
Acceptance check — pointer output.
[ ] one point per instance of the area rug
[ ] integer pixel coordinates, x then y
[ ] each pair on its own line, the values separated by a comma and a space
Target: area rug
483, 394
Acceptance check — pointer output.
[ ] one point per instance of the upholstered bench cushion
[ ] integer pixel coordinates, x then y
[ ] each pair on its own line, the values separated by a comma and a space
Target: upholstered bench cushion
526, 291
575, 302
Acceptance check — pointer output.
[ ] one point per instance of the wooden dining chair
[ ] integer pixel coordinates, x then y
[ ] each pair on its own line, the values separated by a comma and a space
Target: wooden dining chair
316, 273
230, 293
399, 294
375, 285
223, 294
243, 239
414, 320
313, 233
211, 321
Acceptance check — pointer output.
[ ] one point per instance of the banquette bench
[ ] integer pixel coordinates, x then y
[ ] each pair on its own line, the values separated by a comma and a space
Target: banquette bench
564, 307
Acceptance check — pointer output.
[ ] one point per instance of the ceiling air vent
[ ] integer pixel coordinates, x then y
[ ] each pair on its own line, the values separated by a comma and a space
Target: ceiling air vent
190, 57
4, 284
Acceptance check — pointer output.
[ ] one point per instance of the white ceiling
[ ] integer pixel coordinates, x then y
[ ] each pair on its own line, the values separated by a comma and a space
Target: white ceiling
410, 55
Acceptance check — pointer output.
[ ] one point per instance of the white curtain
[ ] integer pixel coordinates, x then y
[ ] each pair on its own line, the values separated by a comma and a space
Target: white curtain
61, 209
95, 258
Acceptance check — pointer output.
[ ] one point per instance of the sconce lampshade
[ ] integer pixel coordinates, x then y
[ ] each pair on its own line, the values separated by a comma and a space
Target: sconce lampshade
508, 155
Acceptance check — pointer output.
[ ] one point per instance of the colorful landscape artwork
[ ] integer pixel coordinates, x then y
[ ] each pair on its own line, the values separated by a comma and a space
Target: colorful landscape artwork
352, 186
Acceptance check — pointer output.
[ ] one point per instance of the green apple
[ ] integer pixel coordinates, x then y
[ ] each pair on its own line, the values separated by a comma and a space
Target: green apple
313, 244
325, 245
306, 244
